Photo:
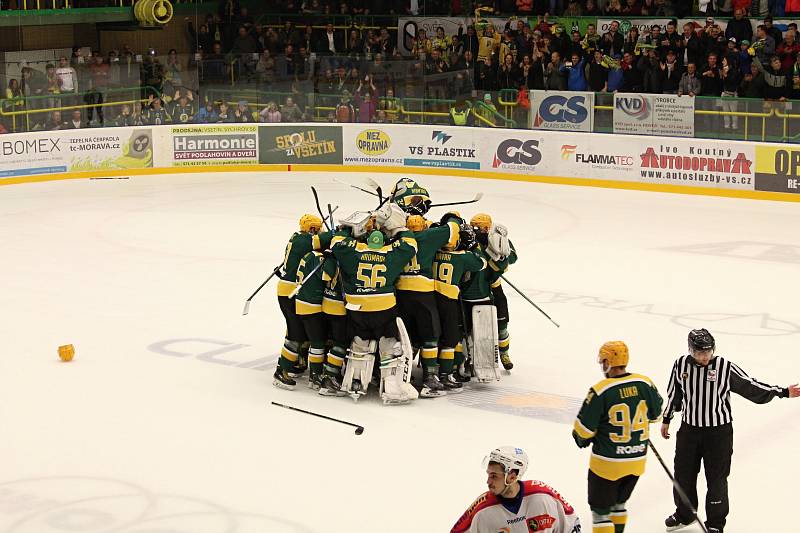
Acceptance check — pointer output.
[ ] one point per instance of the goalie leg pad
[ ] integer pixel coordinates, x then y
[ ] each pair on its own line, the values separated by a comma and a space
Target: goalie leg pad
484, 344
359, 365
396, 364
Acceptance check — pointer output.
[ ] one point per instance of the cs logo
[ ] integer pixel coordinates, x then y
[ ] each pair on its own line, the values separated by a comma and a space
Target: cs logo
516, 152
559, 108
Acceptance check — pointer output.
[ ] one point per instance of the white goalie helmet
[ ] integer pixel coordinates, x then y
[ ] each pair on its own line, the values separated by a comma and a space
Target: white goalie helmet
510, 457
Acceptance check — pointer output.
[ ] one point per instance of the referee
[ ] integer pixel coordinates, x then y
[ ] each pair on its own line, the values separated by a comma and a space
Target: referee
700, 385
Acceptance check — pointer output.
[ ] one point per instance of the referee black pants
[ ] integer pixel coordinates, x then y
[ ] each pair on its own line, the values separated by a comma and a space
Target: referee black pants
714, 447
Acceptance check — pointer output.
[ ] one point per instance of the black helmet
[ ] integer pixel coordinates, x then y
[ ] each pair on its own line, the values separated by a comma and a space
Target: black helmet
466, 237
701, 339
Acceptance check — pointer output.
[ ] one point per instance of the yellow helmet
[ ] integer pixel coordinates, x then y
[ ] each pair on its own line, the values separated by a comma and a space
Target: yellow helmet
615, 352
482, 221
310, 222
416, 223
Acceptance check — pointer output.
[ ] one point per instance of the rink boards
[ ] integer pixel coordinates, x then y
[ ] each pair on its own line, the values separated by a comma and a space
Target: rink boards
662, 164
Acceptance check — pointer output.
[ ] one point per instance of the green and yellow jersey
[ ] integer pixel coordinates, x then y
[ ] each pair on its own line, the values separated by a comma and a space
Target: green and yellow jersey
418, 275
498, 268
449, 268
333, 297
299, 245
369, 274
407, 191
309, 298
475, 287
615, 418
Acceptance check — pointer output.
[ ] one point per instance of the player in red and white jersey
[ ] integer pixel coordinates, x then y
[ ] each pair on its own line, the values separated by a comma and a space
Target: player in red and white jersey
514, 506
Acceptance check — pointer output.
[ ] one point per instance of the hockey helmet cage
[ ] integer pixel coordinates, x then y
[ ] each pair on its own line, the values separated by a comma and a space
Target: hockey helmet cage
701, 339
510, 457
615, 353
466, 237
309, 222
416, 223
482, 222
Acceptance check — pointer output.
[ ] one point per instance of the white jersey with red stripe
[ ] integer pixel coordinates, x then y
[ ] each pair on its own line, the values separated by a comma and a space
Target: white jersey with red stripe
541, 508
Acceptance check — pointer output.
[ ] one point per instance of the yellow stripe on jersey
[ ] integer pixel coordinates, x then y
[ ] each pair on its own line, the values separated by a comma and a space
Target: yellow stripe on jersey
446, 289
613, 469
493, 265
582, 431
497, 283
455, 230
611, 382
411, 241
364, 247
316, 244
371, 302
337, 239
416, 283
305, 308
333, 307
285, 288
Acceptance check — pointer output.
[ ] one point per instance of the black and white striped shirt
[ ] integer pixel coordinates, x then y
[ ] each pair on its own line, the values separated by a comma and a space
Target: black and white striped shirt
704, 393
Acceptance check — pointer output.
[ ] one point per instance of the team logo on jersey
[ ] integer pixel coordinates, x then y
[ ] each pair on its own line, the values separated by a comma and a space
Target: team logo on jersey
541, 522
712, 375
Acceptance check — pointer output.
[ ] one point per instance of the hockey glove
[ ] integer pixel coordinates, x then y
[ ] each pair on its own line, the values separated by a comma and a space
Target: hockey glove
390, 218
499, 248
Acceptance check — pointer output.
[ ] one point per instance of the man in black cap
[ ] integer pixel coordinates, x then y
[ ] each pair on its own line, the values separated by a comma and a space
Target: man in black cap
700, 386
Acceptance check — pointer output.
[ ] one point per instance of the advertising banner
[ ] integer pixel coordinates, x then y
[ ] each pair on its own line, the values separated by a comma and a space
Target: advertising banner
213, 144
778, 168
654, 114
448, 147
52, 152
695, 162
517, 151
379, 145
300, 144
562, 111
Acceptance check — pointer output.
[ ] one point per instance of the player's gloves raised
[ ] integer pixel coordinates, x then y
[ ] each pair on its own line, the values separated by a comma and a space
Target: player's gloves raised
391, 218
499, 247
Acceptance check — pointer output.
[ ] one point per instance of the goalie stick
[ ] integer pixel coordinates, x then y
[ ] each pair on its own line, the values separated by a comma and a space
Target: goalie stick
278, 268
529, 300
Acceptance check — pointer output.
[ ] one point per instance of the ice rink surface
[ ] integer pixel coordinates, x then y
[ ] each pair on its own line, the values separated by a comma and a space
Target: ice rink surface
163, 421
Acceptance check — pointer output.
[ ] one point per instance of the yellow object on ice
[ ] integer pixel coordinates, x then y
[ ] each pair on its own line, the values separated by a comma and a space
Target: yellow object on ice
66, 352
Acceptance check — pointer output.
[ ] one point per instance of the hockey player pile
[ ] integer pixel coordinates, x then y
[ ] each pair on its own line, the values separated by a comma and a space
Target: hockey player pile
389, 284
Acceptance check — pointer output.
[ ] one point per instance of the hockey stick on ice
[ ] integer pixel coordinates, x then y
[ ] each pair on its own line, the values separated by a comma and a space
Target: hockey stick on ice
359, 429
247, 302
678, 489
529, 300
476, 199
